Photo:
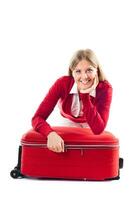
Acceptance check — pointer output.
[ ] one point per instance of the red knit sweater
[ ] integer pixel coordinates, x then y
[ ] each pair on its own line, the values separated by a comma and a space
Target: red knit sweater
96, 110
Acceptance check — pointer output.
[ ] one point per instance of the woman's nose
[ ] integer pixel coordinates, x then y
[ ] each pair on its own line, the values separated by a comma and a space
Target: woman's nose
84, 76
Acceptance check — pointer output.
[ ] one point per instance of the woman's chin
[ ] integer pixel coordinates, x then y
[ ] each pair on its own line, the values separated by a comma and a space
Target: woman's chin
84, 87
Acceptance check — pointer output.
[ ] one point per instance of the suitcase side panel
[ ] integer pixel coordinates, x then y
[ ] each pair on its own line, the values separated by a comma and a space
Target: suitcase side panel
89, 164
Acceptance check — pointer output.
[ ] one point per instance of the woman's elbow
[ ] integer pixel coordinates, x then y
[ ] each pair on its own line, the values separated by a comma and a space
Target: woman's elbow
97, 130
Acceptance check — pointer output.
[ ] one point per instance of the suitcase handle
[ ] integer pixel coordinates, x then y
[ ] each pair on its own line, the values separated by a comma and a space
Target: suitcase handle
121, 163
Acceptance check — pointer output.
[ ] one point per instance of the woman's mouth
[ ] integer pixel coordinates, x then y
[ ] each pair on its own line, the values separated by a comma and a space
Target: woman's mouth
85, 82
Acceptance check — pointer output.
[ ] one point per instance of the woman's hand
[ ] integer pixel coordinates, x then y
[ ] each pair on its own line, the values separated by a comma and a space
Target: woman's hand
94, 85
55, 142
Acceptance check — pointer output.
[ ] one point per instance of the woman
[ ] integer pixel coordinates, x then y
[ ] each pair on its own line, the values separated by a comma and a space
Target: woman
84, 98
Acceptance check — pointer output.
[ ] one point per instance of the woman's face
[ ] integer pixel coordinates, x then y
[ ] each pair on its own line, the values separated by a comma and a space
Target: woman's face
84, 74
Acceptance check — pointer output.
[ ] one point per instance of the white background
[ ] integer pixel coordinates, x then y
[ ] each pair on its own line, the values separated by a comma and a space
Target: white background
37, 40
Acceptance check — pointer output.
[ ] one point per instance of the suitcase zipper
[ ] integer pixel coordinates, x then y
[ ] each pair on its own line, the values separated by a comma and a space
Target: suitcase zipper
92, 146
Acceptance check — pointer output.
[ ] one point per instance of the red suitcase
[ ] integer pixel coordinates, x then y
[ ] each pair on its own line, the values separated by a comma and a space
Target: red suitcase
86, 157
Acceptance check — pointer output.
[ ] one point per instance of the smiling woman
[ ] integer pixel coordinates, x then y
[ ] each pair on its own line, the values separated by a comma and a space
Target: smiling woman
92, 60
86, 70
84, 75
84, 98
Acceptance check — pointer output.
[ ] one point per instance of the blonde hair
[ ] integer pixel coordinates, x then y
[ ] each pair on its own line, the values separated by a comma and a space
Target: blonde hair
89, 56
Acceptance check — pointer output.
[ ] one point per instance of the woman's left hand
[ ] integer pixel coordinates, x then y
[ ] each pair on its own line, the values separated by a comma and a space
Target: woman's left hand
89, 90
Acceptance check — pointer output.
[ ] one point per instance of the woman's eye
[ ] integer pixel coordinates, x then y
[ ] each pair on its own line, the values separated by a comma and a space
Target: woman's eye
89, 70
77, 71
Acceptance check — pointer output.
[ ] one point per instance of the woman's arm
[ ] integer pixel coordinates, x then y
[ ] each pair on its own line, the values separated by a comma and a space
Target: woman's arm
46, 107
97, 114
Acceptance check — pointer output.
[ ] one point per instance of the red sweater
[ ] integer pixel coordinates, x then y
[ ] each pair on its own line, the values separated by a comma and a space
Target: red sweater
96, 110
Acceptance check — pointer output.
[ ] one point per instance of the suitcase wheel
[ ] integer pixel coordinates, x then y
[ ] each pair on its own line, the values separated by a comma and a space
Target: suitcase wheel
15, 173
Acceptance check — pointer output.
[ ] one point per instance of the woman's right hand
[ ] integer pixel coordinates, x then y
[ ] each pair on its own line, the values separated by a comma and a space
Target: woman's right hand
55, 142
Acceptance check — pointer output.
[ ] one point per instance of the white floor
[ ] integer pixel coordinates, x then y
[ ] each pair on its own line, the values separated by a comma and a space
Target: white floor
40, 189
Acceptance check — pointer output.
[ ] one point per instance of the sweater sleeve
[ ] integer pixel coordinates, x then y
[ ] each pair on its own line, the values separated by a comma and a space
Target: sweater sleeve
39, 122
97, 114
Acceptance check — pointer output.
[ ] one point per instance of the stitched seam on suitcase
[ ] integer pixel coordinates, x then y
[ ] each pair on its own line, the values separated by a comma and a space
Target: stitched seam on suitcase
73, 146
